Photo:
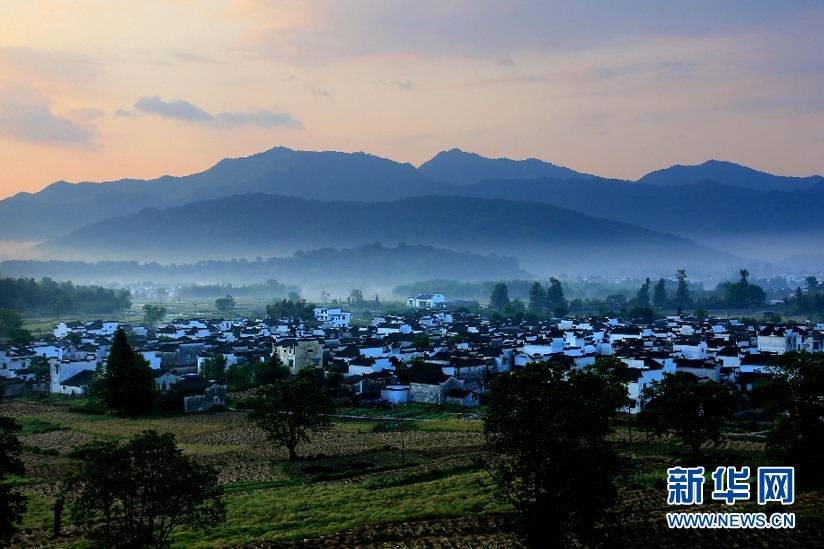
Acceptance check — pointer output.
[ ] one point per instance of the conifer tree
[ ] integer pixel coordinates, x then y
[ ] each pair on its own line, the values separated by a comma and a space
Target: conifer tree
125, 383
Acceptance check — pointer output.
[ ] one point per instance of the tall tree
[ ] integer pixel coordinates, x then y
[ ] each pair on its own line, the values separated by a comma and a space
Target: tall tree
499, 297
642, 297
545, 430
812, 284
136, 494
555, 301
537, 298
9, 320
356, 298
659, 294
798, 438
682, 293
694, 410
12, 503
125, 382
288, 411
270, 371
152, 314
214, 368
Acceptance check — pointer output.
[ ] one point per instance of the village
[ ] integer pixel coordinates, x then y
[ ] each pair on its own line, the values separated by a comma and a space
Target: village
432, 354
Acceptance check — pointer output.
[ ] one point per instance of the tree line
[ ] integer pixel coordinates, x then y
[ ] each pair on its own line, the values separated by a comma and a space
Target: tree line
48, 296
548, 300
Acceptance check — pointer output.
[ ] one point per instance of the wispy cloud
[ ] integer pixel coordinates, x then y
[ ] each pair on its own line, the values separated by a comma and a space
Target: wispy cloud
179, 109
264, 119
26, 116
405, 84
176, 108
189, 57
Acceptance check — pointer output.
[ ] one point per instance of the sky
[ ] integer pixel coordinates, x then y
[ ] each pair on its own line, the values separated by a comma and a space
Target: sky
110, 89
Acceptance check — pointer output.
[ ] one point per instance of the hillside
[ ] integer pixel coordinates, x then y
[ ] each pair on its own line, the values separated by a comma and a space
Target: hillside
540, 236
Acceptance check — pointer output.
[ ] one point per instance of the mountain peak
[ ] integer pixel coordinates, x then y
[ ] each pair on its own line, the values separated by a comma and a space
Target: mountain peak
728, 173
464, 168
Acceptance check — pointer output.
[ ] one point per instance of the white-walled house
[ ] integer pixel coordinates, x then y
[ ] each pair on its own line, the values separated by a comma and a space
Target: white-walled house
65, 378
426, 301
332, 317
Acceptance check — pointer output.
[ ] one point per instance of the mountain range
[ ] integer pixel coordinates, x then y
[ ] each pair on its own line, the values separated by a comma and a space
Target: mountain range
548, 217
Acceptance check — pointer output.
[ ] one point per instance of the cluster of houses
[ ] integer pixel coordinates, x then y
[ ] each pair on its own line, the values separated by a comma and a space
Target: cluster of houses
431, 355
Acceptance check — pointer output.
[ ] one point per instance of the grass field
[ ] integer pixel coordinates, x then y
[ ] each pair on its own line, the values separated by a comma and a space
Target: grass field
405, 477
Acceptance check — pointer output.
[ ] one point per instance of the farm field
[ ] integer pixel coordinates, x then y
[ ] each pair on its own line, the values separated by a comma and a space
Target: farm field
404, 477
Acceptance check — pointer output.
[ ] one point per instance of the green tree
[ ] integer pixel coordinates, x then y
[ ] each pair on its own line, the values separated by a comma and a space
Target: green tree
682, 292
152, 314
694, 410
642, 297
125, 383
420, 340
225, 303
9, 320
537, 299
798, 438
136, 494
545, 430
240, 376
20, 336
288, 411
659, 294
499, 297
42, 369
214, 368
555, 301
270, 371
742, 293
12, 503
356, 298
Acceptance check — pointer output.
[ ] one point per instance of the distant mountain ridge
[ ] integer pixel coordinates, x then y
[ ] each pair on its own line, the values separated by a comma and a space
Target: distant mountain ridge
462, 168
728, 173
539, 236
63, 207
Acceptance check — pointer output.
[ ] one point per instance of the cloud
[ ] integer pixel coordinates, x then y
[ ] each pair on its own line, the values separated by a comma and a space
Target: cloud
188, 57
49, 68
179, 109
406, 84
322, 93
264, 119
324, 30
26, 116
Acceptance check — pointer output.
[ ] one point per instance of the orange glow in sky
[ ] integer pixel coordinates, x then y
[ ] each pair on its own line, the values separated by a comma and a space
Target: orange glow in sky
94, 90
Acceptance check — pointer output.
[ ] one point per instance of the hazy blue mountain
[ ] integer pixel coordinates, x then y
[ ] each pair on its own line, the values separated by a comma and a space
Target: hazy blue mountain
718, 203
62, 207
543, 238
769, 226
731, 174
695, 211
462, 168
